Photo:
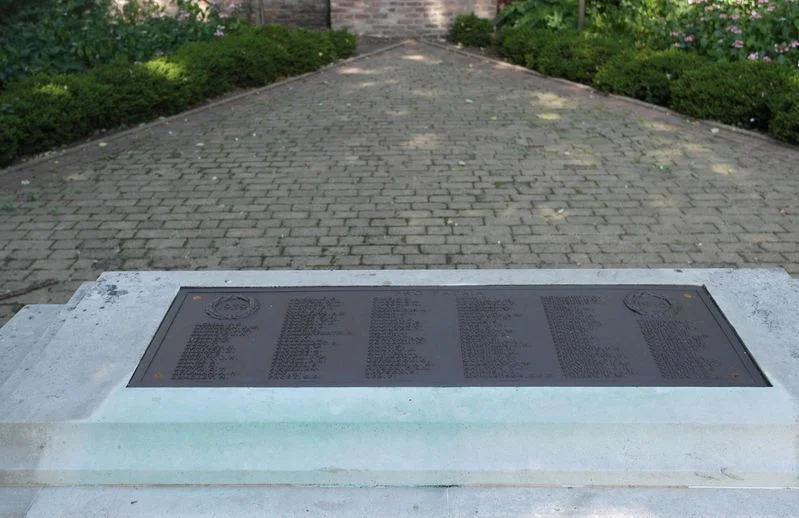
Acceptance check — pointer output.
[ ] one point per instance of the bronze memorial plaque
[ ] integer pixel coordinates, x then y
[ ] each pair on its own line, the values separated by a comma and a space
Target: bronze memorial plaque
455, 336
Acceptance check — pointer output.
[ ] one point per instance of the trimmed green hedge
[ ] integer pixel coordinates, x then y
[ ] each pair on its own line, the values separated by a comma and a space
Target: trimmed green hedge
742, 93
44, 111
784, 123
646, 75
750, 94
516, 43
470, 29
574, 56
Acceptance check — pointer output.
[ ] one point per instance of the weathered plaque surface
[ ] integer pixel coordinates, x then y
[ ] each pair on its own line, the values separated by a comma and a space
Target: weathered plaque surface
446, 336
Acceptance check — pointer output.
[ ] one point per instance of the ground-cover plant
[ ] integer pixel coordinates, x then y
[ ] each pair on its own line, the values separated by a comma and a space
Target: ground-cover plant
470, 29
64, 36
47, 110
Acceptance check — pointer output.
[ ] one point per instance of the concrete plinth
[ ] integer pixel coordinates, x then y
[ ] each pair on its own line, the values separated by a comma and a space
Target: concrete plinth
67, 417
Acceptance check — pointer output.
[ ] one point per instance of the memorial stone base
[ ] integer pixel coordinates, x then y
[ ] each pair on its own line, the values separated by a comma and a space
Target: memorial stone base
157, 393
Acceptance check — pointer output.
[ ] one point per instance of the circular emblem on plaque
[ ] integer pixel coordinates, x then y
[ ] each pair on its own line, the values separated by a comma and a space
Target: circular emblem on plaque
232, 307
651, 305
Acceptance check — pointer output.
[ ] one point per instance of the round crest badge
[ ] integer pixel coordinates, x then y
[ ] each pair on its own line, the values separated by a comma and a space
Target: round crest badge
651, 305
232, 307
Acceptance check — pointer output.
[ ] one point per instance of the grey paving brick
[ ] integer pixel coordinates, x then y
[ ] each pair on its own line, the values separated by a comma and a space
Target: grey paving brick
353, 176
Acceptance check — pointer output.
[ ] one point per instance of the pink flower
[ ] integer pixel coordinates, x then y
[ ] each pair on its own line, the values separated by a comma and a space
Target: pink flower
763, 1
677, 44
734, 29
795, 44
734, 17
723, 16
771, 7
755, 15
753, 56
738, 44
219, 32
690, 38
766, 59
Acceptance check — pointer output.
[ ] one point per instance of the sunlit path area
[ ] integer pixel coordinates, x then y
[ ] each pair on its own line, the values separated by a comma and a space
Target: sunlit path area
417, 157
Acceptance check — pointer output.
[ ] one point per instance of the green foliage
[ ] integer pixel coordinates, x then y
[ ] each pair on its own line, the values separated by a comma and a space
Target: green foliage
742, 93
784, 124
574, 56
9, 136
638, 20
516, 43
65, 36
141, 92
45, 110
344, 43
646, 75
469, 29
635, 19
539, 14
766, 30
52, 109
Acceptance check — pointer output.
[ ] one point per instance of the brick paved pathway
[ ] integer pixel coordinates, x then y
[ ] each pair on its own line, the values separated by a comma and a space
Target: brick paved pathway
416, 157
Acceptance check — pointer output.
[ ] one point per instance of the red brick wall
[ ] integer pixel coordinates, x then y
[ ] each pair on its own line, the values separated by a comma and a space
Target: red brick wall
393, 18
312, 14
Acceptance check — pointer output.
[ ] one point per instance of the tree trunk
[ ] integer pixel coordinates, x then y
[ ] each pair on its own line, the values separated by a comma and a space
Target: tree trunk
581, 15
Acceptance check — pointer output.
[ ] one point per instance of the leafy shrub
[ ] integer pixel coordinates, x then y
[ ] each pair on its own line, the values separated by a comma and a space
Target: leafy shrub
635, 19
65, 36
344, 43
539, 14
469, 29
9, 137
740, 93
574, 56
53, 109
646, 75
784, 123
141, 92
766, 30
639, 20
516, 43
43, 111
